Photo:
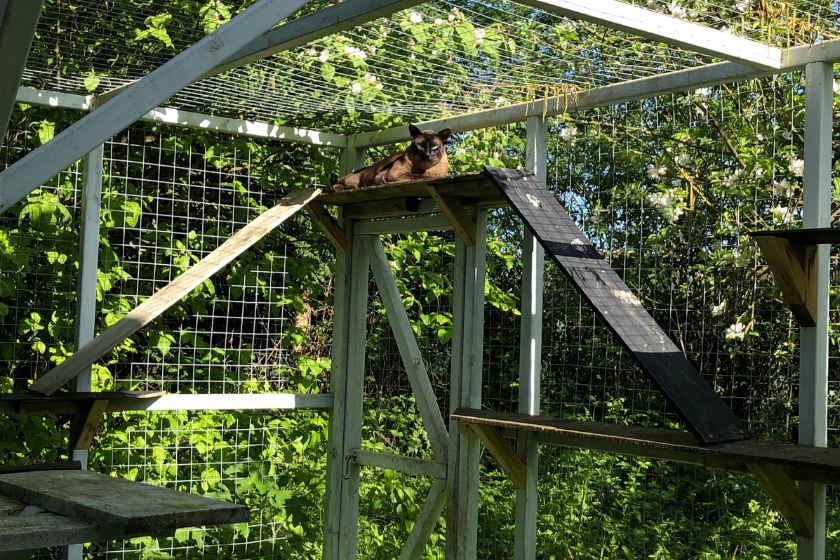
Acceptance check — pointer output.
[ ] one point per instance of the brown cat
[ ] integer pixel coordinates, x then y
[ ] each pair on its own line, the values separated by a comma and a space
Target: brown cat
425, 158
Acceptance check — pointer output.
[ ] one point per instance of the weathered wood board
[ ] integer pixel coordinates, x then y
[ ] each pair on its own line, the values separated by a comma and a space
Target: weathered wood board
809, 236
70, 403
116, 503
470, 185
801, 462
702, 409
170, 294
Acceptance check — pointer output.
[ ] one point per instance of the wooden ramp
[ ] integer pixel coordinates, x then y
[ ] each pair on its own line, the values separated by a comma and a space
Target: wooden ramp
165, 298
708, 417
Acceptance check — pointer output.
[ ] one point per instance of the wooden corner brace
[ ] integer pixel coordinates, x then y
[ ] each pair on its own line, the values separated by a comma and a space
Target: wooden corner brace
457, 215
328, 225
785, 495
794, 268
504, 454
84, 424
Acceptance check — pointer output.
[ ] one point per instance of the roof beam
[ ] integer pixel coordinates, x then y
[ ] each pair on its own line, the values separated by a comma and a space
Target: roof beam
643, 88
18, 20
676, 32
136, 100
339, 17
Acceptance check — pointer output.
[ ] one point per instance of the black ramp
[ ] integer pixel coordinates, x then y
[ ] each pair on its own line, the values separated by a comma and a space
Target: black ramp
698, 404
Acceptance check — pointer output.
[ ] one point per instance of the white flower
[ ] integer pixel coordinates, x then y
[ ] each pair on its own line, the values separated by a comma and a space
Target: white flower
682, 160
660, 200
415, 17
496, 155
454, 10
735, 331
434, 52
703, 92
370, 78
834, 86
717, 310
742, 5
782, 214
438, 21
356, 89
760, 137
758, 172
797, 167
782, 187
479, 33
568, 133
451, 17
312, 52
676, 183
676, 10
379, 85
340, 38
787, 135
731, 180
372, 49
736, 254
355, 52
384, 35
462, 151
735, 229
656, 171
325, 55
724, 29
413, 56
450, 61
500, 101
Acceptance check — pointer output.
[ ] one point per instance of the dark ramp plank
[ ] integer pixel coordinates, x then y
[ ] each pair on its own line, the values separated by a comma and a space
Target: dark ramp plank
800, 462
116, 503
704, 412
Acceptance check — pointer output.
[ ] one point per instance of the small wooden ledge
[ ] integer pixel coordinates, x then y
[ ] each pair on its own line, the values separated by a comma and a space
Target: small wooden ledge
791, 256
71, 403
470, 190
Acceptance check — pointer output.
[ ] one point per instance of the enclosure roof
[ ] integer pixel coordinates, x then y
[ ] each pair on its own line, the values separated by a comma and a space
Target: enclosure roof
436, 59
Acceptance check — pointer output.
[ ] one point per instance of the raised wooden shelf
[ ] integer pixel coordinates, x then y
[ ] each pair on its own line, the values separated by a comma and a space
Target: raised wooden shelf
71, 403
470, 190
791, 256
117, 504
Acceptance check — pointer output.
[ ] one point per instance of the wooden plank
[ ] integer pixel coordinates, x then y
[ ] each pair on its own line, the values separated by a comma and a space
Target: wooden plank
503, 453
71, 403
806, 236
427, 520
793, 270
410, 355
406, 224
328, 225
410, 465
169, 295
622, 312
785, 495
87, 423
464, 185
49, 529
380, 208
58, 466
457, 216
798, 460
116, 503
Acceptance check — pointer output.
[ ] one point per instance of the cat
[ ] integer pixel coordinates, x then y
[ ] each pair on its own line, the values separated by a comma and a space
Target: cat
425, 158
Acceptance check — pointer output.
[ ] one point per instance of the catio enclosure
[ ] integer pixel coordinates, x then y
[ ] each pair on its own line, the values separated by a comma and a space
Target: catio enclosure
139, 136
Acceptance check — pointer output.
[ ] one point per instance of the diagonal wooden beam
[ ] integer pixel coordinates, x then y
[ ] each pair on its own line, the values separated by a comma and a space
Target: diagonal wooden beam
328, 225
334, 19
794, 268
504, 454
409, 351
18, 20
676, 32
426, 521
39, 166
170, 294
457, 216
85, 424
785, 495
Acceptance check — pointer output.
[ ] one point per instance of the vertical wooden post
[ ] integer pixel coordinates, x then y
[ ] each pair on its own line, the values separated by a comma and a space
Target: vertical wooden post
813, 366
467, 362
91, 204
530, 352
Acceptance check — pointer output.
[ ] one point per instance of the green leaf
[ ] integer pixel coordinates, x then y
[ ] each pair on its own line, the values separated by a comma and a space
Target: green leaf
327, 71
46, 131
92, 82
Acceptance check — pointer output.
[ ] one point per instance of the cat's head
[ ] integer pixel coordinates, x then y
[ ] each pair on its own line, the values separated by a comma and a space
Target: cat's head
428, 145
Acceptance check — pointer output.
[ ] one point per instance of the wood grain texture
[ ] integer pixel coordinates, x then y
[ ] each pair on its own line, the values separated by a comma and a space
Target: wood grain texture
698, 404
793, 269
451, 207
328, 225
461, 186
48, 529
504, 454
807, 236
799, 461
72, 403
87, 423
116, 503
785, 495
169, 295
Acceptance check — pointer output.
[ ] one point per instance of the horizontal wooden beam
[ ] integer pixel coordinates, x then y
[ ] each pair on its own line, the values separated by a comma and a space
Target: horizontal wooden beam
406, 224
169, 295
679, 81
410, 465
676, 32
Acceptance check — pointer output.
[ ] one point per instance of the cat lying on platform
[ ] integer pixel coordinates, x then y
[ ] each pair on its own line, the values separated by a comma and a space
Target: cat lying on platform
425, 158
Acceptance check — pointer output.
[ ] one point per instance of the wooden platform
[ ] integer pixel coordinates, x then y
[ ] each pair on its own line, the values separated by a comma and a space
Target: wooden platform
117, 504
800, 462
397, 199
811, 236
71, 403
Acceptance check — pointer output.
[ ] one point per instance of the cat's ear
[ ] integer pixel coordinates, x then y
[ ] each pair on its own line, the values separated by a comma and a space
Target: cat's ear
445, 134
414, 131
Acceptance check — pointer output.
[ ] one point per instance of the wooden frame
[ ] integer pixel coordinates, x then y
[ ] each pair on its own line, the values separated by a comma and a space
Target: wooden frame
18, 21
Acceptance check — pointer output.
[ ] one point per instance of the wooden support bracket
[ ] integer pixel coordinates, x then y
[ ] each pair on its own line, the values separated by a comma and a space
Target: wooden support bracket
458, 217
328, 225
84, 424
784, 493
794, 268
504, 454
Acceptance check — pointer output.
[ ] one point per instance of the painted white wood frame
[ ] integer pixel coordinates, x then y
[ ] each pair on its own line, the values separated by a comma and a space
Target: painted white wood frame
530, 351
672, 31
672, 82
18, 21
465, 390
328, 21
412, 359
813, 360
40, 165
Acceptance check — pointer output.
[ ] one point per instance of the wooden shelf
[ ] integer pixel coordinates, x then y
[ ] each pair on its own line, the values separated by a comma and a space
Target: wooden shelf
791, 256
71, 403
